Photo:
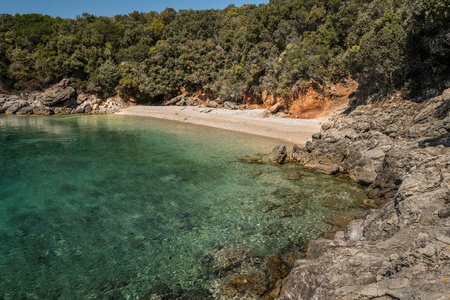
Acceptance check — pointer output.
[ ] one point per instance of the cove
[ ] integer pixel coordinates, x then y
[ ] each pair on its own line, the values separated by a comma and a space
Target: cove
112, 207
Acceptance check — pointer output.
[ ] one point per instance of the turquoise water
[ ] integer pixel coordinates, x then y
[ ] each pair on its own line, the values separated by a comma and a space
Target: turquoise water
109, 207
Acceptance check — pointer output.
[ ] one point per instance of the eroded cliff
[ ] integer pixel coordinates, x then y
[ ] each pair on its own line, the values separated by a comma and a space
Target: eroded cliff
400, 149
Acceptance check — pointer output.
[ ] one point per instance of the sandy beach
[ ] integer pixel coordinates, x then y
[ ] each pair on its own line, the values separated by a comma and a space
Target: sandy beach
248, 121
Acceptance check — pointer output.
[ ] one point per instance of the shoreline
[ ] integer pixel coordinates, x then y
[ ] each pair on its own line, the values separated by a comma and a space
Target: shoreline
295, 131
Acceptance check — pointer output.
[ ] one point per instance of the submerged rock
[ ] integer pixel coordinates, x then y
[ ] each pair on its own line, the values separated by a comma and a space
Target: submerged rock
229, 258
251, 160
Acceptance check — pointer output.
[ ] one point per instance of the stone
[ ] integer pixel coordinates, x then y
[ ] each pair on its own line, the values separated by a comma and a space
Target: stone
230, 105
41, 109
399, 249
212, 104
15, 106
265, 114
355, 230
244, 284
251, 160
230, 258
58, 93
27, 110
293, 176
340, 220
174, 101
276, 268
279, 155
275, 108
444, 213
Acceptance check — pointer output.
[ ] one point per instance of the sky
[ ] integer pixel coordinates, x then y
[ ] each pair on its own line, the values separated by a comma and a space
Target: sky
109, 8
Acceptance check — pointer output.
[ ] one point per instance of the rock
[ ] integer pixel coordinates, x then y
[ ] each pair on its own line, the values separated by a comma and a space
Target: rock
174, 100
6, 101
181, 103
265, 114
62, 110
444, 213
244, 284
400, 250
86, 107
230, 105
112, 105
293, 176
274, 292
190, 102
41, 109
27, 110
249, 283
340, 220
212, 104
276, 268
355, 230
253, 173
251, 160
58, 93
14, 106
279, 155
275, 108
230, 258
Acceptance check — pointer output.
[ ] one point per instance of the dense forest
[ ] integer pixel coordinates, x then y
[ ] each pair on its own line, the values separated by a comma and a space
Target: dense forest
384, 45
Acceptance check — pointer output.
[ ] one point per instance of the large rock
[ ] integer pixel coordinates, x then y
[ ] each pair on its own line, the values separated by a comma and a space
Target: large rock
401, 250
112, 105
40, 109
7, 101
279, 155
56, 94
15, 106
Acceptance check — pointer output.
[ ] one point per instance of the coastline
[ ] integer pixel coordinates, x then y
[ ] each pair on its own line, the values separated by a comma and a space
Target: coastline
296, 131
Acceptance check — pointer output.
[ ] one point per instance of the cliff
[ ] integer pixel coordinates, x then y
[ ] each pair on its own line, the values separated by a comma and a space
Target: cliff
400, 149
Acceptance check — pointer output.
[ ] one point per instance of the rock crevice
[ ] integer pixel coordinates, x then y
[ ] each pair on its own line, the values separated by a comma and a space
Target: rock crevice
400, 150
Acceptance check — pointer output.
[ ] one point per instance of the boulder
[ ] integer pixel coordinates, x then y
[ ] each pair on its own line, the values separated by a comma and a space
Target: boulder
275, 108
41, 109
279, 155
56, 94
14, 106
212, 104
27, 110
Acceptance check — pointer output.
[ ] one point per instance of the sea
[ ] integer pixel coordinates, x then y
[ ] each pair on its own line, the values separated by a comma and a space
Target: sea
115, 207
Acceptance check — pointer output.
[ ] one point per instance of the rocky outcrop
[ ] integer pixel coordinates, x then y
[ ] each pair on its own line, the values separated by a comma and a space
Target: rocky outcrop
60, 99
279, 155
400, 150
56, 94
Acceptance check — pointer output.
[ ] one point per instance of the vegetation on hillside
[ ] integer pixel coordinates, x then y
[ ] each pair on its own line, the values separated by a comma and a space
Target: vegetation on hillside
384, 44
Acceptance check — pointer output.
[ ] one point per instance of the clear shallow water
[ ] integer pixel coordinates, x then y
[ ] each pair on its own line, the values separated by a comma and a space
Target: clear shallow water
97, 207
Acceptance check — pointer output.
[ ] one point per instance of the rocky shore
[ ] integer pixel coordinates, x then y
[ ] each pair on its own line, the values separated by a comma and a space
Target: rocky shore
401, 250
60, 99
398, 148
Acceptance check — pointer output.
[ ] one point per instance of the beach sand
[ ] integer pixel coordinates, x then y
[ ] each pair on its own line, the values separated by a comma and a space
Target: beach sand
250, 121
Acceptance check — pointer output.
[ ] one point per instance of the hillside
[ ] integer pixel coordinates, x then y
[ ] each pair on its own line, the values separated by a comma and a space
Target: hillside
236, 54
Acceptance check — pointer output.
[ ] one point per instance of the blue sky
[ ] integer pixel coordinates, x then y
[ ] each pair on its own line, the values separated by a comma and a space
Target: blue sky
72, 8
